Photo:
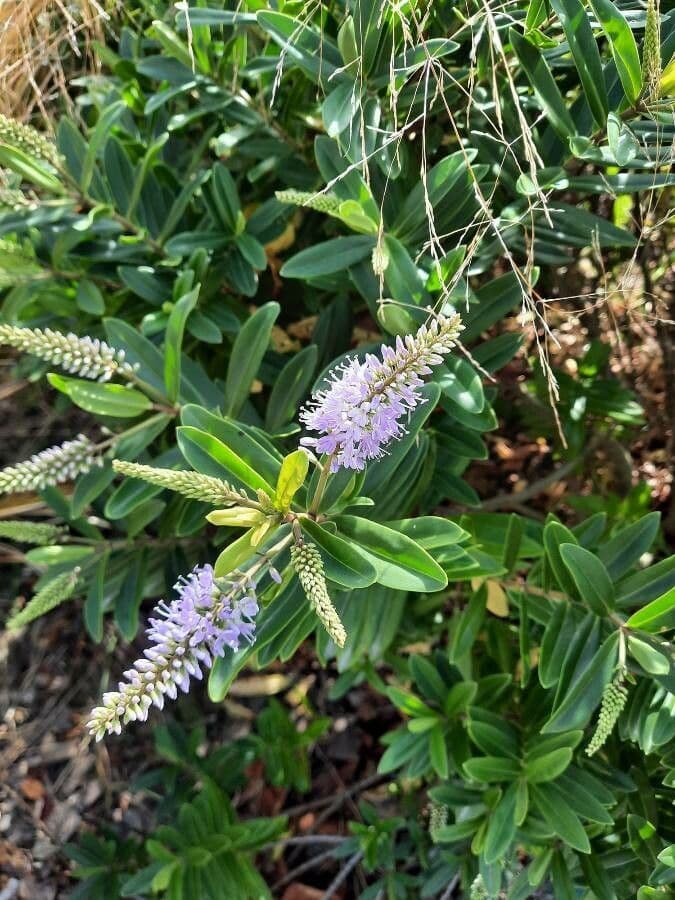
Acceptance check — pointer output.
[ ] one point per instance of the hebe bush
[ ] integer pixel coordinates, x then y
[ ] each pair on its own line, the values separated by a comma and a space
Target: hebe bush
249, 187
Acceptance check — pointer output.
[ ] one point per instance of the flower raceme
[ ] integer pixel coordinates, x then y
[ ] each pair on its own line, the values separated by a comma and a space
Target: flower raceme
363, 408
84, 356
189, 633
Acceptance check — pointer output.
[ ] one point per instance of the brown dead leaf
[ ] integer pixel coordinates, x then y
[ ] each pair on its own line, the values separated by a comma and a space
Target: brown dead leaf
32, 789
298, 891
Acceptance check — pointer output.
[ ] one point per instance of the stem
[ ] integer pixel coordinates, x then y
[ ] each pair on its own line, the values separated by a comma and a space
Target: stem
321, 487
266, 560
111, 441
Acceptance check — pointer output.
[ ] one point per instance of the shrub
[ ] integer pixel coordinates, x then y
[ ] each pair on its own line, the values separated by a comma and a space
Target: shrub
253, 189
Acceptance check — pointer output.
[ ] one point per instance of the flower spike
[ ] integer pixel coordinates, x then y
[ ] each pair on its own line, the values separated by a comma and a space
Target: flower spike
362, 409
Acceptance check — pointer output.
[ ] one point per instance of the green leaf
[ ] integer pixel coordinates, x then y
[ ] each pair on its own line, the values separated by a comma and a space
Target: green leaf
467, 625
557, 636
328, 257
343, 563
30, 169
399, 562
440, 181
556, 534
461, 385
543, 84
58, 555
236, 553
89, 298
651, 659
290, 387
291, 478
551, 803
130, 596
584, 696
625, 549
501, 828
174, 341
492, 768
302, 44
97, 138
590, 577
93, 605
655, 615
225, 204
247, 353
577, 28
438, 752
103, 399
549, 766
208, 455
623, 46
430, 532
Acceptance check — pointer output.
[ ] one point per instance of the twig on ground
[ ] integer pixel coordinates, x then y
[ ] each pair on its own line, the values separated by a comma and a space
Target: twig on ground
312, 863
342, 875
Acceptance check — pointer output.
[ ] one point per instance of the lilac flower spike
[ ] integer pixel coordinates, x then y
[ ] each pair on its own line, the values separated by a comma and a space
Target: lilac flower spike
188, 634
362, 409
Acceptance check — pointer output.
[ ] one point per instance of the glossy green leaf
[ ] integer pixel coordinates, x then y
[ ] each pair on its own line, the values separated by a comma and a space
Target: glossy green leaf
623, 45
174, 341
247, 353
543, 84
549, 766
343, 563
624, 550
492, 768
551, 803
583, 697
501, 828
591, 578
328, 257
556, 534
292, 476
579, 34
102, 399
399, 562
290, 387
655, 615
209, 455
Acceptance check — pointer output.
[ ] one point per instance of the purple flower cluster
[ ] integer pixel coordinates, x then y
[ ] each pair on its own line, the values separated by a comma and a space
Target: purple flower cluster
188, 634
364, 407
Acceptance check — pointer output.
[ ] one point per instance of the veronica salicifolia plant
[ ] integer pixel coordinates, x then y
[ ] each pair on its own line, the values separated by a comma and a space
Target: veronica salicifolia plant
52, 466
188, 634
367, 402
84, 356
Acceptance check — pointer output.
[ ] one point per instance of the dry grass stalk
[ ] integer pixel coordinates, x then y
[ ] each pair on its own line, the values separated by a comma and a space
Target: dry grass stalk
36, 37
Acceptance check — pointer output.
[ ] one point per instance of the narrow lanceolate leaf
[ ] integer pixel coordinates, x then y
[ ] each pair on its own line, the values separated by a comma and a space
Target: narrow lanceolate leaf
399, 561
543, 84
623, 46
579, 34
174, 341
247, 354
591, 578
658, 613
